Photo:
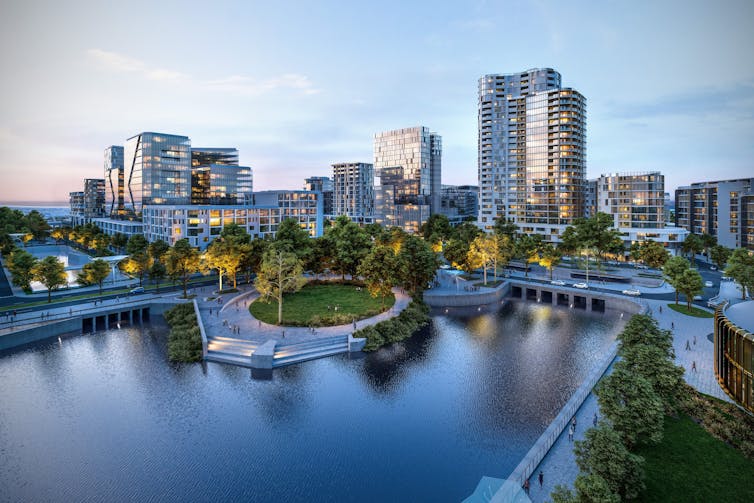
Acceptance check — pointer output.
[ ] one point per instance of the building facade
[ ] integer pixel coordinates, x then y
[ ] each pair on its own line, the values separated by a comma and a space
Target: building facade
353, 191
114, 182
88, 204
217, 178
324, 185
407, 166
157, 170
531, 152
734, 351
459, 203
635, 200
715, 208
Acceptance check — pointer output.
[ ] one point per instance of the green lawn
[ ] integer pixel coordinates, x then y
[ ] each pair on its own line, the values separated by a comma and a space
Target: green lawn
309, 306
491, 283
691, 465
695, 311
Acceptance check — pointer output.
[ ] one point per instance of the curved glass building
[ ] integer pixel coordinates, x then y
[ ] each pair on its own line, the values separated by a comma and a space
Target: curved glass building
734, 351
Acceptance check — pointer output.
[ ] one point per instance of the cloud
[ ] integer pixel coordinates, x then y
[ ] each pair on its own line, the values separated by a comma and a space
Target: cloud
237, 84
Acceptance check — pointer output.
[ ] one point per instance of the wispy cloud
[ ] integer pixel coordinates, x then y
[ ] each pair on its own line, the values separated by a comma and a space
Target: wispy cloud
237, 84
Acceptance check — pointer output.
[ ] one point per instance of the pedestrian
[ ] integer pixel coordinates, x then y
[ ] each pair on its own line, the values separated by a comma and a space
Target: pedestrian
672, 326
571, 431
283, 334
688, 346
526, 486
695, 340
621, 316
595, 420
660, 309
259, 323
573, 421
693, 366
210, 311
541, 478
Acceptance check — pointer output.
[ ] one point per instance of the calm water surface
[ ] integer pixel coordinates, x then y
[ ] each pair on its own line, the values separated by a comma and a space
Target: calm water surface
104, 418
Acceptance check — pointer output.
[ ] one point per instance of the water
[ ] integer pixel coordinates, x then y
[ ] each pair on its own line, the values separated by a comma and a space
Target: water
105, 418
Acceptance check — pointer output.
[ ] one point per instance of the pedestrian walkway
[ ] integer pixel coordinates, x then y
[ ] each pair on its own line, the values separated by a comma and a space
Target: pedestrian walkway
559, 465
231, 318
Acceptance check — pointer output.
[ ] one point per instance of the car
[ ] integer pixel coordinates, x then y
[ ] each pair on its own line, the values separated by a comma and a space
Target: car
708, 284
632, 292
713, 268
641, 266
137, 290
697, 297
580, 285
725, 278
558, 282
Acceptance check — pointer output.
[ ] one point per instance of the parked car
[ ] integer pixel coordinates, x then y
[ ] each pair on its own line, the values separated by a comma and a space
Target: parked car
137, 290
713, 268
632, 292
641, 266
580, 285
697, 297
708, 284
558, 282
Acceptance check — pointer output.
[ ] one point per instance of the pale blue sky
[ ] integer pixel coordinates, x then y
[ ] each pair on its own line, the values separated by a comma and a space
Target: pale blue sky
297, 86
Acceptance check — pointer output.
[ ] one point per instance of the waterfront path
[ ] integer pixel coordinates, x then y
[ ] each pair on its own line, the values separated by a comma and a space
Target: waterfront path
559, 465
219, 319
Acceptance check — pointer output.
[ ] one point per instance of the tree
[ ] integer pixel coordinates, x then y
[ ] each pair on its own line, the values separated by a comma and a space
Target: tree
100, 242
157, 272
672, 270
224, 255
505, 227
708, 241
291, 238
549, 257
251, 256
418, 265
719, 255
741, 269
350, 245
380, 269
692, 245
119, 241
603, 455
281, 272
95, 273
236, 234
642, 329
595, 234
527, 248
136, 244
51, 273
321, 257
437, 228
653, 364
158, 249
632, 406
137, 264
690, 283
649, 252
182, 261
37, 225
482, 253
21, 264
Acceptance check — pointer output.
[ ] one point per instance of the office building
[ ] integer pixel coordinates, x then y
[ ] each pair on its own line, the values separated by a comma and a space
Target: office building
747, 221
76, 203
353, 191
459, 203
217, 179
531, 152
407, 166
636, 201
88, 204
324, 185
202, 224
157, 170
114, 182
715, 208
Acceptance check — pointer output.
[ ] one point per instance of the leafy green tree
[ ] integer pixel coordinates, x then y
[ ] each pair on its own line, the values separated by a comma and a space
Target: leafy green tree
37, 225
596, 234
224, 256
708, 241
321, 257
100, 242
650, 252
741, 269
157, 273
380, 269
653, 364
21, 264
603, 455
51, 273
291, 238
437, 228
136, 244
251, 256
527, 249
236, 234
280, 273
119, 241
594, 489
418, 265
633, 408
350, 245
691, 246
505, 227
137, 264
642, 329
673, 270
483, 253
690, 283
719, 255
456, 251
158, 249
95, 273
549, 257
182, 261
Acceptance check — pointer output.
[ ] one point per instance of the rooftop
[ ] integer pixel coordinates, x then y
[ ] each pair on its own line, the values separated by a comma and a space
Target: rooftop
742, 315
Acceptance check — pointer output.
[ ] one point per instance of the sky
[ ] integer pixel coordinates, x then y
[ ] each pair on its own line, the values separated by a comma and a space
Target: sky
298, 86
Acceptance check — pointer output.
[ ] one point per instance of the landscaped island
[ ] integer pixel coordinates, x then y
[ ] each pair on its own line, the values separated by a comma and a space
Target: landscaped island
322, 304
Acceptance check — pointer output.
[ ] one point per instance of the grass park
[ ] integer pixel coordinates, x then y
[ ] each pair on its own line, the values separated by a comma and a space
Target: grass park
695, 311
322, 305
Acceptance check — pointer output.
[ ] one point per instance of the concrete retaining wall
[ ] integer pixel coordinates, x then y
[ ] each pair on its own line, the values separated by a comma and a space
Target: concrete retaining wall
464, 299
39, 333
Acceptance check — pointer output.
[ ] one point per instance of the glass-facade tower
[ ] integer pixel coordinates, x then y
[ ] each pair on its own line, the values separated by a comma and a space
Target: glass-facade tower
114, 182
353, 190
216, 177
407, 165
157, 170
531, 151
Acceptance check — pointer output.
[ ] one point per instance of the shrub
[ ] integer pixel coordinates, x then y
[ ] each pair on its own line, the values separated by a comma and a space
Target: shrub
403, 326
185, 339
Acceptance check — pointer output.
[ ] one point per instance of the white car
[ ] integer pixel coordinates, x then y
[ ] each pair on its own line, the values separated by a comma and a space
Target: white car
712, 268
580, 285
632, 292
697, 297
558, 282
641, 266
708, 284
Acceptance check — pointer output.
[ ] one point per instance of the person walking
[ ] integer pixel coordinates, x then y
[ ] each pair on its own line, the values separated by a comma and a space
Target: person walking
571, 431
693, 366
526, 486
672, 326
595, 420
688, 346
660, 309
695, 340
541, 478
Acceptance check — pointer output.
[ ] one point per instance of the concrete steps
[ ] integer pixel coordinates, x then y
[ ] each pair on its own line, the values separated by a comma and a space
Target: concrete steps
231, 358
310, 350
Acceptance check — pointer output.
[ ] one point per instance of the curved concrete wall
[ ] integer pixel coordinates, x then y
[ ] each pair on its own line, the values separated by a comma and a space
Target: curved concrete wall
466, 299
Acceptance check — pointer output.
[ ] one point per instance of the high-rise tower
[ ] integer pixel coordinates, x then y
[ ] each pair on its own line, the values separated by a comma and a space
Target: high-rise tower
532, 152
